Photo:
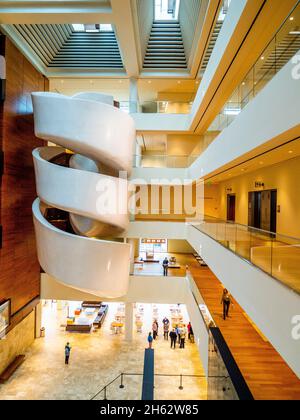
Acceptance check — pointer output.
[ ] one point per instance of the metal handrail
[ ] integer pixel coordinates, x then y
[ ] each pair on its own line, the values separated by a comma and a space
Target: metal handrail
228, 222
249, 261
164, 375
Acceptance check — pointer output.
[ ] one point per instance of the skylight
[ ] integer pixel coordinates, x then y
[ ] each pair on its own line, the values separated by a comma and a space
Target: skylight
224, 10
79, 27
166, 9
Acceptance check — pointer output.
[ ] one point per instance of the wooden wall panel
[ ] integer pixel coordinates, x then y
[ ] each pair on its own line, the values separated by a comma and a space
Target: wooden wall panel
19, 268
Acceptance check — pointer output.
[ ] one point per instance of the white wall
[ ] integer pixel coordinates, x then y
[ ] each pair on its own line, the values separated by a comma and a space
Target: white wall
154, 230
142, 289
192, 301
157, 176
145, 20
161, 122
188, 17
268, 302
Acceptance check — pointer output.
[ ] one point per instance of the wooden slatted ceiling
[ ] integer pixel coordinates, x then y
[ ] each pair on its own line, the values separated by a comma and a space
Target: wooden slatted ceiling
58, 46
165, 47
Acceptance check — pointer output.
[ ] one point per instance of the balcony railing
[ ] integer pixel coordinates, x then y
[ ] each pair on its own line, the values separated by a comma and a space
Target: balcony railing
129, 386
275, 254
163, 161
283, 47
156, 107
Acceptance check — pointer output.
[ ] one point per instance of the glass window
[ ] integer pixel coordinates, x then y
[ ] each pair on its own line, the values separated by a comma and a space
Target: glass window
80, 27
154, 245
167, 9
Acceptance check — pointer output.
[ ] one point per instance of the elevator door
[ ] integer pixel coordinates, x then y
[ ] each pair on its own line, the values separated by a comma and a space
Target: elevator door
263, 210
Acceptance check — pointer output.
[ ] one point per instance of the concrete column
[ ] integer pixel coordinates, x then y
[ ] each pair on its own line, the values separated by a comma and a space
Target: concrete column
133, 96
138, 156
38, 320
132, 254
132, 203
128, 322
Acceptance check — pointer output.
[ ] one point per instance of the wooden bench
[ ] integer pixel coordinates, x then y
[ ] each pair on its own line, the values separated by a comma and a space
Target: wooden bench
4, 377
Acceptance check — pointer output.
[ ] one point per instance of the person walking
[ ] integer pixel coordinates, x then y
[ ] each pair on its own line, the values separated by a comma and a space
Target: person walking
67, 353
166, 330
226, 301
150, 340
182, 338
155, 329
165, 266
173, 337
190, 330
178, 333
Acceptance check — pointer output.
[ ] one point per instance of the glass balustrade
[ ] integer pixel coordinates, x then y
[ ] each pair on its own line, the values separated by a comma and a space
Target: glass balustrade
275, 254
156, 107
284, 46
163, 161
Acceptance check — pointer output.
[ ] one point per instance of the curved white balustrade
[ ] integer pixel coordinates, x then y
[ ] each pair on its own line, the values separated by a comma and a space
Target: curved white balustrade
103, 136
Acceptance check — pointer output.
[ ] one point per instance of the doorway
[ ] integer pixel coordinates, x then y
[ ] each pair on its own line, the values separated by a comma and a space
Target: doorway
231, 202
263, 210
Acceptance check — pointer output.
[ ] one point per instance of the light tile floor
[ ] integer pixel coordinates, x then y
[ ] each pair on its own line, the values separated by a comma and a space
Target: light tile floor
98, 358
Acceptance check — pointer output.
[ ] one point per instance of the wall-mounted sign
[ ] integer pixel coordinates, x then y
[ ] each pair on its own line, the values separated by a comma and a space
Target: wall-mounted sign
259, 184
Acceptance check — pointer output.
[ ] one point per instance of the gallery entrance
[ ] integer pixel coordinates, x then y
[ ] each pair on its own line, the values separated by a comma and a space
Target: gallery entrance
263, 210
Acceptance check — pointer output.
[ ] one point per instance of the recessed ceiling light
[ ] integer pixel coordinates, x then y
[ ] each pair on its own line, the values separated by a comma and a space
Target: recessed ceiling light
179, 82
262, 57
243, 83
261, 163
291, 151
292, 18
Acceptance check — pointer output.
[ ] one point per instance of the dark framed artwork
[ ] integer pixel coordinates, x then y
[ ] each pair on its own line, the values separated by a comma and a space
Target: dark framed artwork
4, 316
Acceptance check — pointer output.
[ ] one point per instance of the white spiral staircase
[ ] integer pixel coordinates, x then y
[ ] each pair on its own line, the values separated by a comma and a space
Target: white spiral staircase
89, 189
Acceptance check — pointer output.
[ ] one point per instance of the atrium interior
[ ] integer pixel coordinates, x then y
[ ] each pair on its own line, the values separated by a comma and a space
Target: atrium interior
149, 200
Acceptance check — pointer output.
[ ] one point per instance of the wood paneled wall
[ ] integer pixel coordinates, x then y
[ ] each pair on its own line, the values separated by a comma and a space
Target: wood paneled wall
19, 268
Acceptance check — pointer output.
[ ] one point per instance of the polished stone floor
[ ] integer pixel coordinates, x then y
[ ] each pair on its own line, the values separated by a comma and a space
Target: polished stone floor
98, 358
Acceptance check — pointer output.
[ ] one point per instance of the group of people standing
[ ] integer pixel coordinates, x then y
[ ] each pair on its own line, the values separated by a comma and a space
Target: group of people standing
177, 334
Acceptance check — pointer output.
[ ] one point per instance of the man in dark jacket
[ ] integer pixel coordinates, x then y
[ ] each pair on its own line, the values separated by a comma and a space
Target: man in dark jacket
166, 266
67, 353
173, 337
